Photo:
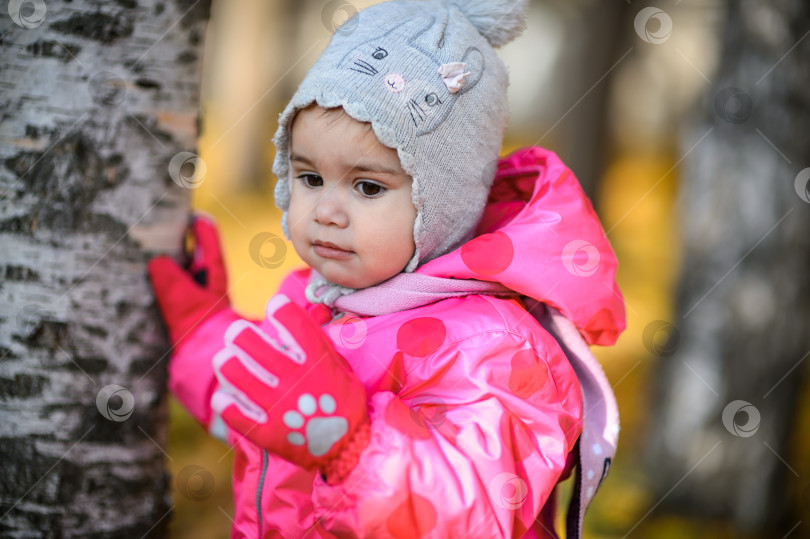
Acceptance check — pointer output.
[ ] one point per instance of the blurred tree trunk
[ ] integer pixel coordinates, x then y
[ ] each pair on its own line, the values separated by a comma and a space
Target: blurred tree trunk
744, 296
97, 100
595, 45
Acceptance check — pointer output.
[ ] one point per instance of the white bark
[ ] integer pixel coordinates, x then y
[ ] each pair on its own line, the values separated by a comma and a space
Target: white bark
97, 98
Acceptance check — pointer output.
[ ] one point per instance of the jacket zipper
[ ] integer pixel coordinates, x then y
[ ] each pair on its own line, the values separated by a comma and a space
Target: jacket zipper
259, 491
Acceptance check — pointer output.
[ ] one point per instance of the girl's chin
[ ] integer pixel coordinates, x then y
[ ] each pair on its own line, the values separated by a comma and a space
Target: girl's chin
346, 280
346, 275
341, 278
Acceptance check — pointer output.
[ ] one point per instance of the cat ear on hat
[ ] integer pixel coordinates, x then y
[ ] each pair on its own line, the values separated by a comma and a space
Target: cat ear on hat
461, 76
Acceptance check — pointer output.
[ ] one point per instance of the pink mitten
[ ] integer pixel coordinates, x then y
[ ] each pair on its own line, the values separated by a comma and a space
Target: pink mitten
284, 387
187, 297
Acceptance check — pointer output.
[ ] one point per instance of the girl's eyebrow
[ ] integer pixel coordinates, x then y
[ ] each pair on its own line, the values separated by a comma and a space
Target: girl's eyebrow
360, 167
376, 167
300, 159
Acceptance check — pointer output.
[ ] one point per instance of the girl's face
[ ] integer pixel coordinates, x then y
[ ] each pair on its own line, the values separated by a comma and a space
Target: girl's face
351, 217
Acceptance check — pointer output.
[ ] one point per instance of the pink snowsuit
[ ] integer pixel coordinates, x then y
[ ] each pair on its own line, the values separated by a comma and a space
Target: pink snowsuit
474, 408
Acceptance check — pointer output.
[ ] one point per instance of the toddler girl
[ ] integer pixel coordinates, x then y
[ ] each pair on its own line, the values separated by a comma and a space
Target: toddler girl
426, 375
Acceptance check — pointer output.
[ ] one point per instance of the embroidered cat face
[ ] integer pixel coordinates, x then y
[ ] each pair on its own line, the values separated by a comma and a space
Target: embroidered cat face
392, 71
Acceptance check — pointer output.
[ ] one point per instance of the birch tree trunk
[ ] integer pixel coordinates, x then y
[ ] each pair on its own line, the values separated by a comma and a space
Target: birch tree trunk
727, 391
97, 98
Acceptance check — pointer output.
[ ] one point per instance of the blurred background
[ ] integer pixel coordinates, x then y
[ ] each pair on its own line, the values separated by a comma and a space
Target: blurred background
687, 124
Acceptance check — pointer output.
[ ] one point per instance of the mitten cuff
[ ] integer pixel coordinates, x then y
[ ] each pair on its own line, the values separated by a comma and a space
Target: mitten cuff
339, 468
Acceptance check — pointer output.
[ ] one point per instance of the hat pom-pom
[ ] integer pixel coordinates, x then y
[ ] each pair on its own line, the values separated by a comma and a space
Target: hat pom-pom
499, 21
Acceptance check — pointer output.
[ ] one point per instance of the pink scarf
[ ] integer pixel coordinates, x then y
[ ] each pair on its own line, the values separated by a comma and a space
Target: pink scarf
600, 425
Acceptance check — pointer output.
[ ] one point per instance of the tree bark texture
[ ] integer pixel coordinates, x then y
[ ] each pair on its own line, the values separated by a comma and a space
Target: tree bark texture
737, 351
97, 98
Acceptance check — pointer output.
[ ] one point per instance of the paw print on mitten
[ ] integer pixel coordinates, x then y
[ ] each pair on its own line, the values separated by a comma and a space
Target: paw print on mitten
320, 433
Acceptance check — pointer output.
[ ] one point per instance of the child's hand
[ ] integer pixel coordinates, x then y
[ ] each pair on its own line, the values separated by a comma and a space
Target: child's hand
285, 387
187, 297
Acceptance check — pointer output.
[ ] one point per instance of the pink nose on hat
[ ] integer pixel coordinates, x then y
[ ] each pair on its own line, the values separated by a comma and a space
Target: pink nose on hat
395, 82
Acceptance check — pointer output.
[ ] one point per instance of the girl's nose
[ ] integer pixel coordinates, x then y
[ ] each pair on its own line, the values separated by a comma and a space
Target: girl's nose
330, 209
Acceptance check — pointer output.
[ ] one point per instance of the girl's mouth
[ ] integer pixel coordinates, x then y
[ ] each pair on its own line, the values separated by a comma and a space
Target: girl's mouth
327, 249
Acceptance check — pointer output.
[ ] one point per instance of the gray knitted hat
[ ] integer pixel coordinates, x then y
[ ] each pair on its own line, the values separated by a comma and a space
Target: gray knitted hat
425, 75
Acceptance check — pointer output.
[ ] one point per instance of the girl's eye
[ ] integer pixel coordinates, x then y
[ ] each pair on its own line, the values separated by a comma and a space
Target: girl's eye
311, 180
370, 189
